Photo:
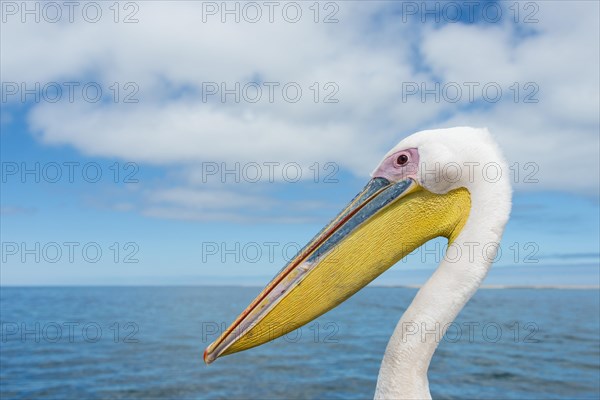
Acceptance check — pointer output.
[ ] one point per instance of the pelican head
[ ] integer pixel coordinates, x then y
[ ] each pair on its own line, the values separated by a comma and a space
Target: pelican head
447, 182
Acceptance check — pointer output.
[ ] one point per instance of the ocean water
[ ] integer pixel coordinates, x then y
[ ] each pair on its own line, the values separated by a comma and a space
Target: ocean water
147, 342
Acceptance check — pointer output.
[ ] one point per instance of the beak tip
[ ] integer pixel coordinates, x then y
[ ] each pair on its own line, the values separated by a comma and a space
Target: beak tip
207, 357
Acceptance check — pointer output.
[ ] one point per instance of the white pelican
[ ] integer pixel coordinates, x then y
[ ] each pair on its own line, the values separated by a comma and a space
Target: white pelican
447, 182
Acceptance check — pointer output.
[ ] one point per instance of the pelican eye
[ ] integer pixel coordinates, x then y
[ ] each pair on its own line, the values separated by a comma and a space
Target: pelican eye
402, 159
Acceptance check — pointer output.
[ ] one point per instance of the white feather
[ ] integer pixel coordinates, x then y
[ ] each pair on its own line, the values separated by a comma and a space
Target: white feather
403, 373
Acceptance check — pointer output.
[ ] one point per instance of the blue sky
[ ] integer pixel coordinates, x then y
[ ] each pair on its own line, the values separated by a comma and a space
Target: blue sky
186, 228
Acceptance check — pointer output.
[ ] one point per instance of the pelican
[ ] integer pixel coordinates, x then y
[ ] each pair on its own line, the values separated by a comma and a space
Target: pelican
451, 183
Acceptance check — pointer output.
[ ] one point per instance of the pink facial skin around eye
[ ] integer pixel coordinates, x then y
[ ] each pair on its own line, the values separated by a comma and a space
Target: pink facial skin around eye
392, 171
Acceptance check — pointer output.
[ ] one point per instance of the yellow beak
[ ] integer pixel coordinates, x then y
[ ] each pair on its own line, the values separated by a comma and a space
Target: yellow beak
384, 223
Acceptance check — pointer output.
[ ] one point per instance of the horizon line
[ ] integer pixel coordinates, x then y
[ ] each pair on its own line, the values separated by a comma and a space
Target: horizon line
487, 287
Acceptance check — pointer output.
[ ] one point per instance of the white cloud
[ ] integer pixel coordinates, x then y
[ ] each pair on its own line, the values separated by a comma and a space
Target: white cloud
223, 204
16, 210
207, 200
368, 54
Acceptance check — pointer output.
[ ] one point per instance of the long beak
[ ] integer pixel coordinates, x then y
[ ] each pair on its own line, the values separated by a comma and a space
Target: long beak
380, 226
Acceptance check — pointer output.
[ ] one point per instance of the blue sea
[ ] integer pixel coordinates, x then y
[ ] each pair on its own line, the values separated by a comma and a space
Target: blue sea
147, 342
